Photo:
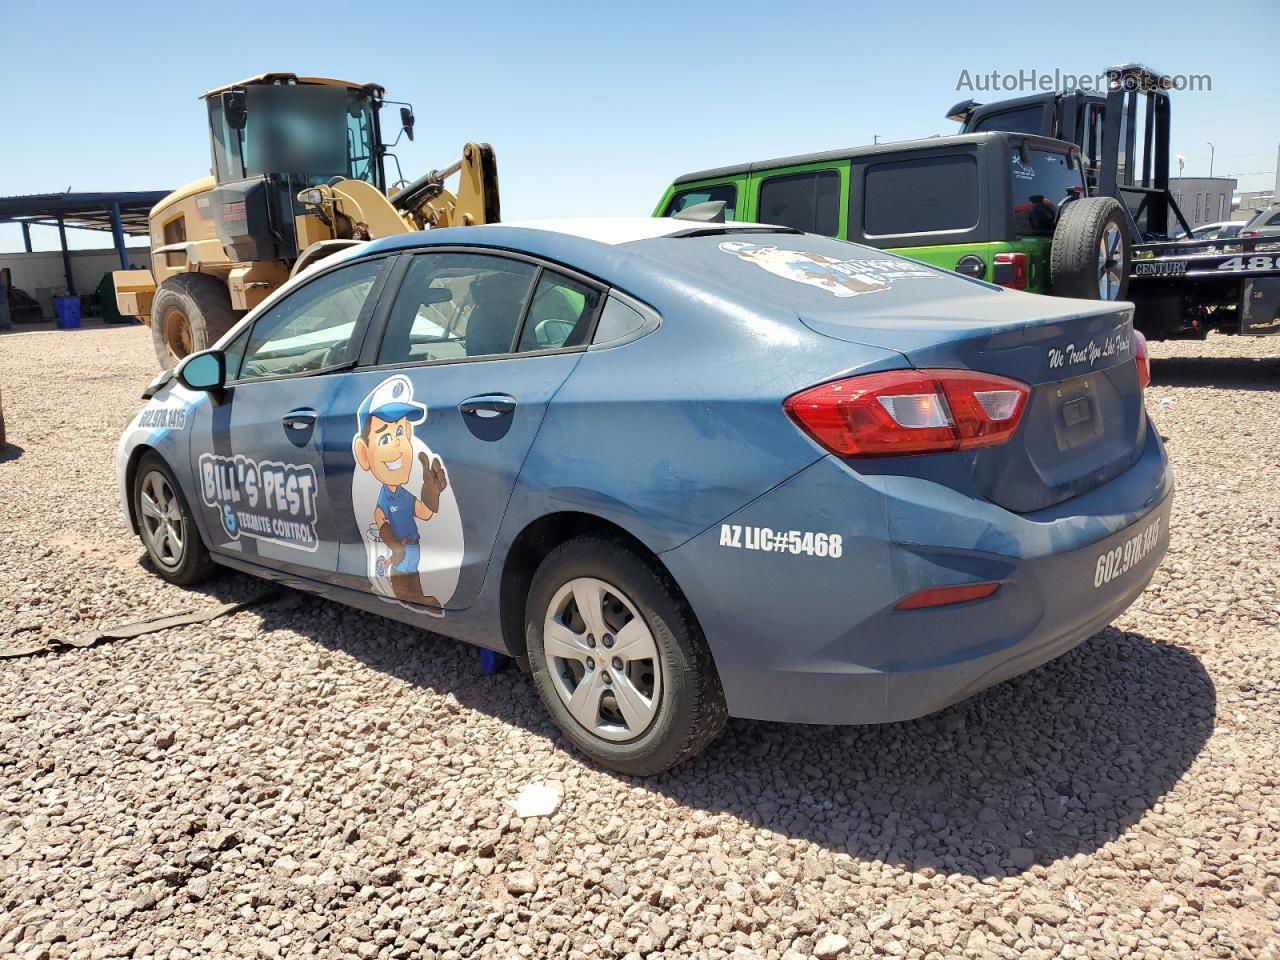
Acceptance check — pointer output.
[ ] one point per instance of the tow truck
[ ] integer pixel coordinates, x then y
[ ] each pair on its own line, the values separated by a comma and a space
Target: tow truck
1181, 288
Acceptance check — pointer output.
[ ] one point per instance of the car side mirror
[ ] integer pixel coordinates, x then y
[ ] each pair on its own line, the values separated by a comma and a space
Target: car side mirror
205, 371
407, 121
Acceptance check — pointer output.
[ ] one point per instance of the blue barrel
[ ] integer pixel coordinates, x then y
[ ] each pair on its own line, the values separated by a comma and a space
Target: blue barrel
68, 311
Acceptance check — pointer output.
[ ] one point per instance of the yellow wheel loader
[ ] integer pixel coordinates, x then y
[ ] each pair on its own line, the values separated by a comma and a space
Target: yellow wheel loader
299, 172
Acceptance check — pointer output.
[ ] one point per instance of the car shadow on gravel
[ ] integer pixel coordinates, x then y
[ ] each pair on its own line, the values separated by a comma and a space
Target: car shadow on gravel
1231, 373
1053, 763
1044, 766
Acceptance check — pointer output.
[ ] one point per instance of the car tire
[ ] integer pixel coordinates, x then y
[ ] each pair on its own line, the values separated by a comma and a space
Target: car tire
189, 313
684, 709
1090, 254
166, 525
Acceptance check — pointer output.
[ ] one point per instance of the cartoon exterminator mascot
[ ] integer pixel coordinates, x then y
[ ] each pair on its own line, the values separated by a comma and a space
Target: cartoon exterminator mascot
811, 268
383, 446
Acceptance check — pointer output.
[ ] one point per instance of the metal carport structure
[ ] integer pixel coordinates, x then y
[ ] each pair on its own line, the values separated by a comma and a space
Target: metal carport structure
120, 213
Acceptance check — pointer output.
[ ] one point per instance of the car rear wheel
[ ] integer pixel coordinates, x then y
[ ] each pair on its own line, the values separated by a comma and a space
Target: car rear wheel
190, 312
166, 526
1090, 254
618, 659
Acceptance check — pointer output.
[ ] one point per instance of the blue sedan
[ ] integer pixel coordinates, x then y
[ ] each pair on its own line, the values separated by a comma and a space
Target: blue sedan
679, 471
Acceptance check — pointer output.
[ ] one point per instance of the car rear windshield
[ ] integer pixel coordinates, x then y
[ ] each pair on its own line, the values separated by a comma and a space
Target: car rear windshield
921, 195
1041, 180
806, 274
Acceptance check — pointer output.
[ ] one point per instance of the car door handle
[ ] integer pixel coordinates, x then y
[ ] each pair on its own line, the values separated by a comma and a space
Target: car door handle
491, 405
299, 419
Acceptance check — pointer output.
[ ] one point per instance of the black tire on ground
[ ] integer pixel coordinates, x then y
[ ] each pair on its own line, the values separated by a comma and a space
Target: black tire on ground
189, 312
1079, 264
690, 711
192, 562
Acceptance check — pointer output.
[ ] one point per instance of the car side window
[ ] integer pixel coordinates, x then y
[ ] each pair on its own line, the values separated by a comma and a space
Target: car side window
456, 305
310, 329
725, 192
803, 201
560, 314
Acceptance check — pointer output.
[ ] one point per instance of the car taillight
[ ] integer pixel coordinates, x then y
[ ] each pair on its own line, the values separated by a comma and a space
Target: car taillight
1011, 270
1142, 359
1248, 233
910, 411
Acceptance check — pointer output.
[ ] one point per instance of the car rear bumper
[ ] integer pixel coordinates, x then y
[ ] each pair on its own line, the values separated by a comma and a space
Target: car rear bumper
809, 639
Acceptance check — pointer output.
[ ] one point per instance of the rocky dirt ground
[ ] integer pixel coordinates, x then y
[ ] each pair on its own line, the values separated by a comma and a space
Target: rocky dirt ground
299, 779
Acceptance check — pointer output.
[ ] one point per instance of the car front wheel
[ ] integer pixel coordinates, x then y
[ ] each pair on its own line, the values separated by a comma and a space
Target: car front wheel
618, 659
165, 523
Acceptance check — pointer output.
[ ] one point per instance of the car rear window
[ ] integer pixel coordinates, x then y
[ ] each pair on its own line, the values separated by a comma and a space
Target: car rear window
1041, 180
921, 195
804, 201
806, 275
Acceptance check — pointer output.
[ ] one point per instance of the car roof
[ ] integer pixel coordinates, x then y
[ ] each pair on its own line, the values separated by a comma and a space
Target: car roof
869, 150
615, 230
534, 236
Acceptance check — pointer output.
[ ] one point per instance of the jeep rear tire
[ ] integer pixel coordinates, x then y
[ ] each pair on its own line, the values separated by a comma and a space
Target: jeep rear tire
1090, 255
190, 312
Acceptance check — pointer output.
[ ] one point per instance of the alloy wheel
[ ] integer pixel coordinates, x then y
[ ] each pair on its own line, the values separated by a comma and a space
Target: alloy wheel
1110, 263
602, 659
161, 519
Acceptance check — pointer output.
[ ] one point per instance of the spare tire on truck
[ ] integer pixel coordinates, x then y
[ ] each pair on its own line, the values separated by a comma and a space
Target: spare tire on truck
1090, 255
189, 312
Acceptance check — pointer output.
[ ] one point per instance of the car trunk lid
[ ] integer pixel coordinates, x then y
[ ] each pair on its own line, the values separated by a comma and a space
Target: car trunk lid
1084, 422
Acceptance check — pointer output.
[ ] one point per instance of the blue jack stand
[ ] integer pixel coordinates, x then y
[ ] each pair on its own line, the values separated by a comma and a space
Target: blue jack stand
492, 662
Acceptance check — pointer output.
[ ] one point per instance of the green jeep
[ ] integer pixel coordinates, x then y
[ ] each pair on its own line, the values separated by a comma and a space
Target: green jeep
1009, 208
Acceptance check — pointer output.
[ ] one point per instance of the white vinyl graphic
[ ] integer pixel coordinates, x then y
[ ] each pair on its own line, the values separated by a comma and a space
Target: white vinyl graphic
840, 278
404, 504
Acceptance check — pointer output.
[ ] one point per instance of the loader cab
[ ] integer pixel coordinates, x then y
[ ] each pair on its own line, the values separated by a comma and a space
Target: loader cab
308, 131
275, 134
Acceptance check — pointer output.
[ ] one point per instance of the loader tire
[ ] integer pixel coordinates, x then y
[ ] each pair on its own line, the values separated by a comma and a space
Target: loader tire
190, 312
1090, 254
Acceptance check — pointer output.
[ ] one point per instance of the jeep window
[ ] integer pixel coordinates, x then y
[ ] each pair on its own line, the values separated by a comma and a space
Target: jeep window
725, 192
1040, 183
802, 201
924, 195
1023, 120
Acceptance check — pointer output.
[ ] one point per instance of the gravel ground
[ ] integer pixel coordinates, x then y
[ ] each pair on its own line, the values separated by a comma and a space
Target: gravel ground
299, 779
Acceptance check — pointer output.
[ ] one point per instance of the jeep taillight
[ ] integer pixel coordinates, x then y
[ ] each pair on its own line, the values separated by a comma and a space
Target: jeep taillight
910, 411
1010, 270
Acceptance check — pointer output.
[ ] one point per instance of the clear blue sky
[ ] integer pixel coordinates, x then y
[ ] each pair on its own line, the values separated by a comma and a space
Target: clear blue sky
593, 108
